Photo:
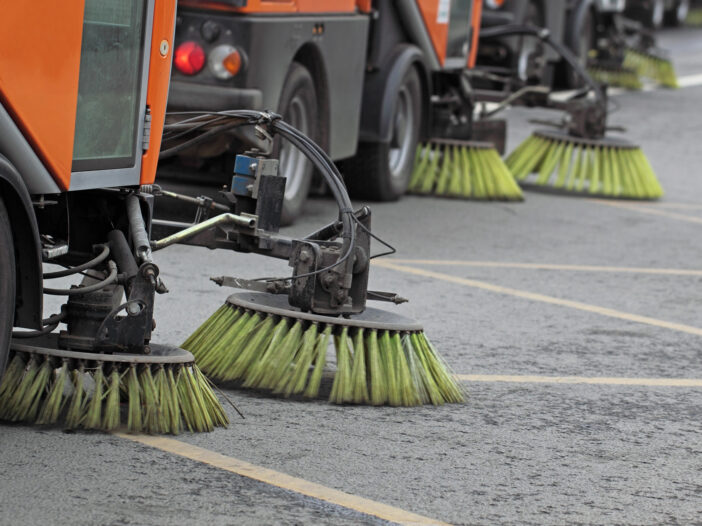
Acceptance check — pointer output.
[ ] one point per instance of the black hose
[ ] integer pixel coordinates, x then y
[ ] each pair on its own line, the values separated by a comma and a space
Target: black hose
79, 268
109, 280
49, 324
509, 30
317, 156
165, 154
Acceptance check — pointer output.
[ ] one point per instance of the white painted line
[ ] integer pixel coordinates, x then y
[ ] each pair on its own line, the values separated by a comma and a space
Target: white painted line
598, 380
690, 80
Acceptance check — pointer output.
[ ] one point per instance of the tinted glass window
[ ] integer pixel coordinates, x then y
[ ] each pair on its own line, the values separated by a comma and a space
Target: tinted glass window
109, 87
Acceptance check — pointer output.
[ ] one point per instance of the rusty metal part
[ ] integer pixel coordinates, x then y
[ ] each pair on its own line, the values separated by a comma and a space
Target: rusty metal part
371, 318
187, 233
604, 142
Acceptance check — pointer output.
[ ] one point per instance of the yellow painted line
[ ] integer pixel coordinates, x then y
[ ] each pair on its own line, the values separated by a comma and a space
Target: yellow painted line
649, 210
682, 206
281, 480
548, 266
522, 379
603, 311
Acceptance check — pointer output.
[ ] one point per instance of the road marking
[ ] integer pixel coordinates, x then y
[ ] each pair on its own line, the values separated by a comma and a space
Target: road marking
521, 379
281, 480
550, 266
604, 311
666, 204
690, 80
686, 81
649, 210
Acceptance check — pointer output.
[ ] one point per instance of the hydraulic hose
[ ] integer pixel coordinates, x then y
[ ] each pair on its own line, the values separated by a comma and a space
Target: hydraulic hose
109, 280
544, 35
102, 256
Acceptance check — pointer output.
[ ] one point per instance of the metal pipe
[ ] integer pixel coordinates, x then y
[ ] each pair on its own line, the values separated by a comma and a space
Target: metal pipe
140, 239
197, 201
187, 233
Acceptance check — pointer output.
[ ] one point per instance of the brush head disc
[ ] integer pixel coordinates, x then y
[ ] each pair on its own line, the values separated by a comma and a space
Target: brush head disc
277, 305
604, 142
478, 145
160, 354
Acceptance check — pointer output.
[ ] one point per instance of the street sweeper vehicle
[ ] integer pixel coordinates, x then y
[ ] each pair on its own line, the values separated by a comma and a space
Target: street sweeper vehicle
368, 80
579, 153
80, 135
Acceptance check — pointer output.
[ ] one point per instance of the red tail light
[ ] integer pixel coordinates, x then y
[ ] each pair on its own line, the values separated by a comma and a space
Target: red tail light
189, 58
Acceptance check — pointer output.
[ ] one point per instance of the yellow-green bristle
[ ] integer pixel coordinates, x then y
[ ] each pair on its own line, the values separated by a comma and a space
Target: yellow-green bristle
77, 402
80, 395
623, 78
656, 68
462, 171
312, 389
54, 401
607, 170
287, 356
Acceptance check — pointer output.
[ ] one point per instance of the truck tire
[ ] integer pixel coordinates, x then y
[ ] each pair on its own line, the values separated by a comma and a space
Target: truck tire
298, 106
380, 171
7, 285
676, 17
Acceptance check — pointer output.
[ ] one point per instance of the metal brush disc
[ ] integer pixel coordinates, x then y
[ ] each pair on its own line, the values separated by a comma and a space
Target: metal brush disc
608, 142
478, 145
277, 305
47, 345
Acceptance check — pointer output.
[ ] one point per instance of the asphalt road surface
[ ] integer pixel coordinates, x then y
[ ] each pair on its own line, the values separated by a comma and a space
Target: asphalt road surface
516, 297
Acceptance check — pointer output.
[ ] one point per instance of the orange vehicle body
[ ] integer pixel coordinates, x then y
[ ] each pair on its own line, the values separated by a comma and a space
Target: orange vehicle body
39, 74
430, 9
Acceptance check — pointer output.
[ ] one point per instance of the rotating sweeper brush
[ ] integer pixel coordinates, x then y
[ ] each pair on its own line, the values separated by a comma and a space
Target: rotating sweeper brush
626, 52
460, 160
463, 169
275, 337
381, 357
579, 155
102, 372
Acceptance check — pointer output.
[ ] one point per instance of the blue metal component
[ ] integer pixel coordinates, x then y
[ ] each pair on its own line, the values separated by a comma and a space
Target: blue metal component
244, 175
245, 165
242, 185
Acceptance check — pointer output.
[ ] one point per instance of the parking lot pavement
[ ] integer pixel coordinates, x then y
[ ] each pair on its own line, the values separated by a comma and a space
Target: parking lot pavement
575, 327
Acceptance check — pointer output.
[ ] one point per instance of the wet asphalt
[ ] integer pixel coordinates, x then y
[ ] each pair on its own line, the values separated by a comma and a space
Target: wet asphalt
516, 452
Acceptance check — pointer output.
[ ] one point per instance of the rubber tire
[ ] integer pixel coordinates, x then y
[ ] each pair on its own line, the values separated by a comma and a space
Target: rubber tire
298, 83
573, 80
367, 174
7, 285
672, 18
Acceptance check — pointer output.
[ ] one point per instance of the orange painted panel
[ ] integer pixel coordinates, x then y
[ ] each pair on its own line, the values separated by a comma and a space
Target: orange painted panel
279, 6
436, 18
39, 71
364, 6
475, 24
159, 77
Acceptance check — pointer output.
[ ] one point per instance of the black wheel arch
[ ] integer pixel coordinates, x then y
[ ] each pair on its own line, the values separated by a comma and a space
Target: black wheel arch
380, 87
310, 56
27, 246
